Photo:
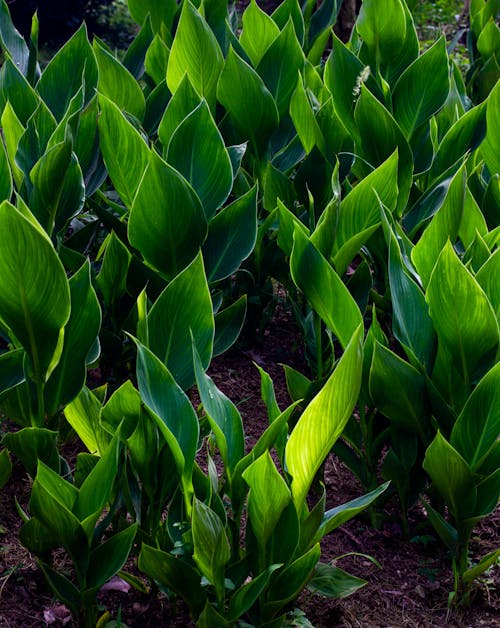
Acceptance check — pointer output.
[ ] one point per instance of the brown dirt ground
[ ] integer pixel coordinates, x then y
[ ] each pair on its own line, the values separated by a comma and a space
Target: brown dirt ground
410, 588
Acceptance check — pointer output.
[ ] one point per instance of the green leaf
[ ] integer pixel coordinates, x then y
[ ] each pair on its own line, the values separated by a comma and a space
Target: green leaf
223, 416
446, 532
489, 148
245, 597
304, 119
83, 414
12, 42
183, 102
464, 136
422, 89
172, 411
259, 32
268, 497
382, 31
444, 226
228, 325
174, 573
117, 84
324, 420
211, 545
248, 101
13, 130
463, 317
125, 153
109, 557
124, 406
182, 309
58, 190
5, 467
63, 588
476, 429
290, 9
359, 211
16, 90
156, 60
334, 582
112, 278
161, 13
71, 67
399, 391
11, 369
337, 516
34, 291
324, 289
32, 444
196, 150
379, 136
452, 477
5, 175
195, 52
487, 278
167, 243
485, 563
280, 65
231, 237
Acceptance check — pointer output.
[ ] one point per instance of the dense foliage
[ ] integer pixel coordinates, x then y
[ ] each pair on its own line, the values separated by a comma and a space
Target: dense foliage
148, 201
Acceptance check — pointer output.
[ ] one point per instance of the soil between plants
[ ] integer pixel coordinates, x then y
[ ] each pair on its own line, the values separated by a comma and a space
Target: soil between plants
409, 589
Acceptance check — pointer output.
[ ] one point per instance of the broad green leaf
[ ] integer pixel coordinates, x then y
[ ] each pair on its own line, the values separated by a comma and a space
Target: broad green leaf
231, 237
183, 102
489, 148
228, 325
80, 334
409, 51
473, 223
32, 444
183, 309
334, 582
487, 278
488, 42
259, 32
465, 135
12, 42
359, 211
324, 420
5, 175
195, 52
463, 317
196, 150
245, 597
161, 13
476, 429
133, 59
337, 516
451, 476
117, 84
174, 573
412, 325
304, 120
422, 89
223, 416
168, 240
379, 136
83, 414
109, 557
247, 100
112, 278
58, 190
383, 31
5, 467
446, 532
95, 491
156, 60
290, 580
268, 497
290, 9
11, 369
443, 227
485, 563
399, 391
12, 132
124, 405
125, 153
73, 65
34, 291
211, 545
280, 65
14, 88
62, 587
324, 289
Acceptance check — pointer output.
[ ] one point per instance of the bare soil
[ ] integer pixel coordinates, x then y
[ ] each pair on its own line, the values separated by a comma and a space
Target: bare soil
409, 589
